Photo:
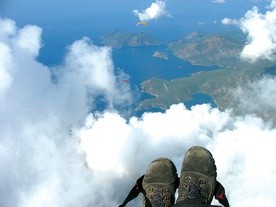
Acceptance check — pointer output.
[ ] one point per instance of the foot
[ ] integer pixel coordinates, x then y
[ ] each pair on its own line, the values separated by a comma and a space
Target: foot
198, 177
160, 183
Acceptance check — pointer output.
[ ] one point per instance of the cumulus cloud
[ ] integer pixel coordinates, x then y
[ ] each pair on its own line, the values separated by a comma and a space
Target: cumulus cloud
39, 107
57, 150
260, 30
234, 141
91, 70
155, 11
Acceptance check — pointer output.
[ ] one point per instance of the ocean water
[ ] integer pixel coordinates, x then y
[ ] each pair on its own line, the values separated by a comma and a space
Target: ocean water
200, 98
140, 65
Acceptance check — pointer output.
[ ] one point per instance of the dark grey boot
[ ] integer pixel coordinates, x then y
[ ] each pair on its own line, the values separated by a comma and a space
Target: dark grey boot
159, 183
198, 177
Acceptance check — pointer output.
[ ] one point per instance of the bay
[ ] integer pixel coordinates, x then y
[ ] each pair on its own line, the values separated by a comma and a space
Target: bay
140, 65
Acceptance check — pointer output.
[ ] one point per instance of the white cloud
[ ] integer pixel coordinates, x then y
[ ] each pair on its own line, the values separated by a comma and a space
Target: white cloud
235, 142
227, 21
90, 68
5, 65
40, 164
219, 1
155, 11
261, 93
261, 33
273, 4
56, 151
28, 38
8, 29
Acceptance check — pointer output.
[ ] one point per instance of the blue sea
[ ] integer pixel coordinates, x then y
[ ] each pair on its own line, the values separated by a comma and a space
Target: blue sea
140, 65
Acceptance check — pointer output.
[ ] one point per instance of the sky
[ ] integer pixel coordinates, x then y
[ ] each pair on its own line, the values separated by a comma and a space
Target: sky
58, 150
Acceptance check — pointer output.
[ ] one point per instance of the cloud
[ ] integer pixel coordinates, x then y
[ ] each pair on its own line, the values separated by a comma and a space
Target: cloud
39, 106
92, 71
219, 1
229, 21
5, 65
260, 92
260, 30
155, 11
234, 141
57, 150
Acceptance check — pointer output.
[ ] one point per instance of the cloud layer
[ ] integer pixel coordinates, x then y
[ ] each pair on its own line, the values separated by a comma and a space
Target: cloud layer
240, 145
155, 11
57, 150
261, 33
39, 107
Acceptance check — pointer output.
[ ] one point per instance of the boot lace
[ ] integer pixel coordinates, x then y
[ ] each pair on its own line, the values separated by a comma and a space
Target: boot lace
195, 189
161, 198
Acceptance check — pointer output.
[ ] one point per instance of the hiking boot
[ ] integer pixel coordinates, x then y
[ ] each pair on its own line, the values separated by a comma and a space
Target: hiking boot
198, 177
160, 183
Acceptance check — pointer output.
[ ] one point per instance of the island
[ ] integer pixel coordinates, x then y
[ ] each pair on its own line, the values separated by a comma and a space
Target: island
201, 49
120, 39
219, 84
220, 50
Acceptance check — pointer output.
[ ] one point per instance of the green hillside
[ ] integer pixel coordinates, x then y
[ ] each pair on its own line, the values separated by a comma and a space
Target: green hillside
219, 84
